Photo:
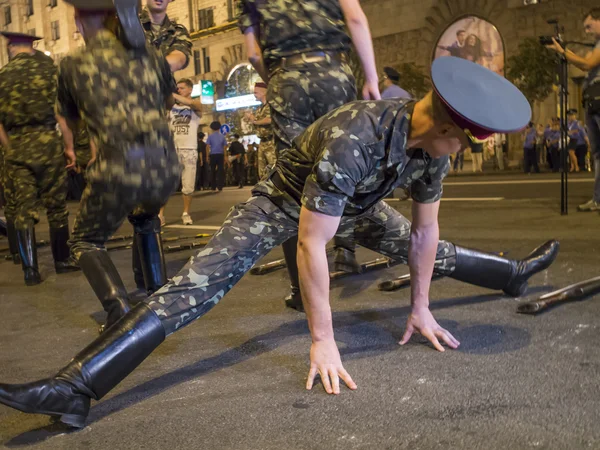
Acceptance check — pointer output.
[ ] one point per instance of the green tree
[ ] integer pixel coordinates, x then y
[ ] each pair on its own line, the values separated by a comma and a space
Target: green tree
533, 70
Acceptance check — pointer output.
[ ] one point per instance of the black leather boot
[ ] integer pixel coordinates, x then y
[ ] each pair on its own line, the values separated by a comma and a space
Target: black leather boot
60, 251
93, 373
104, 279
128, 14
495, 272
345, 259
136, 264
28, 253
152, 261
290, 251
13, 244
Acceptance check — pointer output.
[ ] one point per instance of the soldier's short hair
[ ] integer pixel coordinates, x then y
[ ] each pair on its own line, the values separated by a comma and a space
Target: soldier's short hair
187, 82
594, 13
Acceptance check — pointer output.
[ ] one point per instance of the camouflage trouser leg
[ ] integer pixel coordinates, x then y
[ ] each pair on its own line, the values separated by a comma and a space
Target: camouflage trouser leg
39, 183
301, 94
250, 231
266, 157
10, 208
386, 231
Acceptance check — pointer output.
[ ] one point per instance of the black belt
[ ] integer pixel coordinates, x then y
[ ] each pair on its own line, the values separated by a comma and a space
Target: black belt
307, 57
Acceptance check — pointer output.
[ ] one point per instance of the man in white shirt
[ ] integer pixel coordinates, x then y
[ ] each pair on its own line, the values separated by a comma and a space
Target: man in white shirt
184, 122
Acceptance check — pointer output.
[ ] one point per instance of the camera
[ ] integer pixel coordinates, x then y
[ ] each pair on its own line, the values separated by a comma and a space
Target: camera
547, 40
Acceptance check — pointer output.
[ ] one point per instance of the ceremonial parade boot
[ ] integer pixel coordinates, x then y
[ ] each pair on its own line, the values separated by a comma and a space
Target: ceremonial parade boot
128, 14
104, 279
63, 263
93, 373
495, 272
13, 244
290, 251
136, 264
152, 261
345, 257
28, 253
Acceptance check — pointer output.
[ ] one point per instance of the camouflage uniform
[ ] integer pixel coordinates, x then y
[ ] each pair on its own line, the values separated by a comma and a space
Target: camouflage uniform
136, 162
266, 148
170, 37
35, 164
343, 165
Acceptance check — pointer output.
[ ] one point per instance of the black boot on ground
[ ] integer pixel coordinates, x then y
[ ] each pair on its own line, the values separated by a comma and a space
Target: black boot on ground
28, 253
136, 264
345, 261
93, 373
63, 263
152, 261
104, 279
290, 251
13, 243
495, 272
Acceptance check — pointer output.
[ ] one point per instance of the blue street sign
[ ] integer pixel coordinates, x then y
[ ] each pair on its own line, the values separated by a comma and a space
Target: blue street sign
225, 129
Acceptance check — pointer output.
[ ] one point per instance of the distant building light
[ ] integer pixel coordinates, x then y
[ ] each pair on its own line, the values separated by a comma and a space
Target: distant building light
243, 101
47, 53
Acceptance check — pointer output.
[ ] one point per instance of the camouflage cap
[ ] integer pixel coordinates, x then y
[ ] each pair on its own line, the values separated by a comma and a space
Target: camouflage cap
20, 38
479, 101
92, 5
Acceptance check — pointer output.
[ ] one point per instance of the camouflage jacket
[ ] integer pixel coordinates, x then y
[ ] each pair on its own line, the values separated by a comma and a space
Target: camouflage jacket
288, 27
120, 96
352, 158
264, 131
172, 36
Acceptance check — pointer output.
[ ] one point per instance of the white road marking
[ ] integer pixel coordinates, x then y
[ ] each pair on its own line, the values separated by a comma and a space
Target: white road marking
462, 199
491, 183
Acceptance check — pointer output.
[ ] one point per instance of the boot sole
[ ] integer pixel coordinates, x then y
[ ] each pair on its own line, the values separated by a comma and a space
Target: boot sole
294, 305
73, 420
340, 267
127, 12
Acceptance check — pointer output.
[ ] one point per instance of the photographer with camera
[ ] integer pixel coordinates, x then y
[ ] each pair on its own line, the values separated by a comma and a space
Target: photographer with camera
591, 95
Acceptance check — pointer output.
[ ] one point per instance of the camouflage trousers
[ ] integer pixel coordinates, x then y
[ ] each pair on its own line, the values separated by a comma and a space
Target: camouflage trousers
250, 231
301, 94
31, 185
139, 180
266, 157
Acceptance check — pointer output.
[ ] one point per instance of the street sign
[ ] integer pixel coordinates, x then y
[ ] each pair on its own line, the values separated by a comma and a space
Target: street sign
225, 129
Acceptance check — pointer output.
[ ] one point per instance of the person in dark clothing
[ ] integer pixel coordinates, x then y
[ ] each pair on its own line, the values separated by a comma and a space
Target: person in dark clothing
202, 176
216, 145
237, 156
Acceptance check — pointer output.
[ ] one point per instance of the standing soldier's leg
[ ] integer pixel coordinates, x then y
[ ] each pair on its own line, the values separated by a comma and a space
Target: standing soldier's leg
10, 212
53, 193
23, 179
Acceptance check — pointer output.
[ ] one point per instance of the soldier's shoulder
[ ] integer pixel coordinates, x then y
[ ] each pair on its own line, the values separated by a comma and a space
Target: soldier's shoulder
178, 27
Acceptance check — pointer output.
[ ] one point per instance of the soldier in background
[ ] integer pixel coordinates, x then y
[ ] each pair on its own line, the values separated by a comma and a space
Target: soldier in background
300, 49
173, 41
35, 163
9, 211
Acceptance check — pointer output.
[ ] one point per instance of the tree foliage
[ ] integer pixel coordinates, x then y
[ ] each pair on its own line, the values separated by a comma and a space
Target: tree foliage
533, 70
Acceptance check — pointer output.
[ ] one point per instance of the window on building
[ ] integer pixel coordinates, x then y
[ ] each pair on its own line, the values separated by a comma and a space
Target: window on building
206, 60
31, 32
205, 19
197, 63
7, 15
233, 9
30, 8
55, 27
52, 3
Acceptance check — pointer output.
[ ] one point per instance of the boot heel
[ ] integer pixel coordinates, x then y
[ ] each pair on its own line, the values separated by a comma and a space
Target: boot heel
72, 420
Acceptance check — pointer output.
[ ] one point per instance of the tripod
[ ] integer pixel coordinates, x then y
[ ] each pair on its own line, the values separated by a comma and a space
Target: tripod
563, 107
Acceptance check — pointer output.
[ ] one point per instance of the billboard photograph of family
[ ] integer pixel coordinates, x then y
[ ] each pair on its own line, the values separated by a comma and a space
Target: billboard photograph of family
474, 39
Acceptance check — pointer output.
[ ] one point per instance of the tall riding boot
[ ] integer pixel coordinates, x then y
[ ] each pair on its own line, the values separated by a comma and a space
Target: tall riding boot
28, 251
290, 251
93, 373
494, 272
13, 244
60, 251
104, 279
345, 258
152, 260
136, 264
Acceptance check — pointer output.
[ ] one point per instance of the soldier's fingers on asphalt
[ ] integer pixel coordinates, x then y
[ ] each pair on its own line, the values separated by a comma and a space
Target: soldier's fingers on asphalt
447, 338
311, 378
325, 379
407, 334
429, 334
345, 376
335, 380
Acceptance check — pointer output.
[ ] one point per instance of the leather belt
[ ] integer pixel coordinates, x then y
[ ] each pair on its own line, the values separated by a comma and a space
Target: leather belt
307, 57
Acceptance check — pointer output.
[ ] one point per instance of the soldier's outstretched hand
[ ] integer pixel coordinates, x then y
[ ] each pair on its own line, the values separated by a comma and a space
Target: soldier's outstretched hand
325, 360
421, 321
371, 91
70, 158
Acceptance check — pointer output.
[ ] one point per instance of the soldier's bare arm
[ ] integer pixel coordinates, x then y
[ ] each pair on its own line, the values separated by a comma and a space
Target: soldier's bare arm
4, 137
422, 252
193, 103
358, 26
255, 53
68, 140
315, 231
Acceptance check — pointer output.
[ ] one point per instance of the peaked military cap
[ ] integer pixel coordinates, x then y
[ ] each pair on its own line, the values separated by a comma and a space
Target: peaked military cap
479, 101
392, 74
20, 38
92, 5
